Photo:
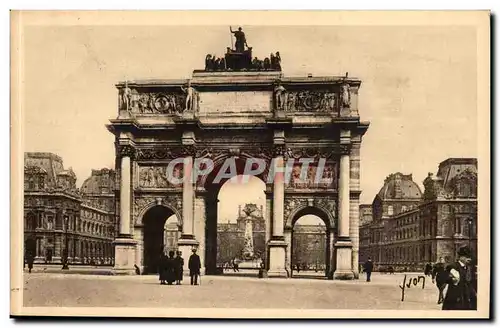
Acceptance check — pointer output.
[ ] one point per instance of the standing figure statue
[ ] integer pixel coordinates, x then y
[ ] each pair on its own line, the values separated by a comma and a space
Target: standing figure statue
277, 60
279, 96
189, 91
208, 63
345, 95
126, 98
241, 41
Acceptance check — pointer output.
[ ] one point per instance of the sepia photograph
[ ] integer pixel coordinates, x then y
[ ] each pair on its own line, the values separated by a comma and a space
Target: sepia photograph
272, 164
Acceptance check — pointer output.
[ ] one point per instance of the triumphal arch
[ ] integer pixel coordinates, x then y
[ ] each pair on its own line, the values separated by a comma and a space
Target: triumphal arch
238, 110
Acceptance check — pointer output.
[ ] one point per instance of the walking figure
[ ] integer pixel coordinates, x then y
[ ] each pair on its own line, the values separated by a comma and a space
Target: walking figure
439, 276
30, 259
368, 269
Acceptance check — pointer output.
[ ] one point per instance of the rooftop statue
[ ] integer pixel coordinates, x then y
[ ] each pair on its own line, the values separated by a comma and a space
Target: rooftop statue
239, 57
241, 41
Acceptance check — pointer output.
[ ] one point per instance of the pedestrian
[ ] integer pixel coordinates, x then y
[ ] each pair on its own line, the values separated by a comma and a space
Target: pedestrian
162, 268
194, 265
439, 276
170, 274
461, 294
428, 269
368, 269
30, 259
235, 265
179, 266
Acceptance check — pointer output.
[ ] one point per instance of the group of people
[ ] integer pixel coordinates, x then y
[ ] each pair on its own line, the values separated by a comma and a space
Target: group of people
171, 268
460, 278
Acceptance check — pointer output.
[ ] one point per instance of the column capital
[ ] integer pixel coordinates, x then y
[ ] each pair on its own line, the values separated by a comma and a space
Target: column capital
126, 151
279, 150
345, 149
189, 150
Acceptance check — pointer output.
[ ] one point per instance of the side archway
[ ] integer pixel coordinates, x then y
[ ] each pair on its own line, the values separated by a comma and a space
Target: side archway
318, 242
153, 226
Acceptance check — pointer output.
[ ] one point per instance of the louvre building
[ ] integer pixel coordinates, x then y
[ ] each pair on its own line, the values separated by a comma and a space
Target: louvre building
62, 219
406, 228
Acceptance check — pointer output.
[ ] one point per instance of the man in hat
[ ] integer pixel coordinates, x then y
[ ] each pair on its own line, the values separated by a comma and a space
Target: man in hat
461, 293
368, 266
194, 265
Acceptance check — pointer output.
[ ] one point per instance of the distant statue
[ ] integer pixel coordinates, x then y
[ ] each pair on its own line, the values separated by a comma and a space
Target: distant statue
241, 41
126, 98
277, 63
222, 64
217, 64
208, 63
189, 91
267, 63
279, 96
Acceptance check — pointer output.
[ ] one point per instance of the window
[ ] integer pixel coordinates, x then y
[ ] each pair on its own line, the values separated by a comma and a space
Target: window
31, 222
390, 210
458, 226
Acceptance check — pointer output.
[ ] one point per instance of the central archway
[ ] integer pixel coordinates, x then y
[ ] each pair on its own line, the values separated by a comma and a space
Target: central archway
155, 221
226, 199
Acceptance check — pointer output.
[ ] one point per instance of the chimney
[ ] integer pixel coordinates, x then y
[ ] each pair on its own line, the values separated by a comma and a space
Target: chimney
398, 193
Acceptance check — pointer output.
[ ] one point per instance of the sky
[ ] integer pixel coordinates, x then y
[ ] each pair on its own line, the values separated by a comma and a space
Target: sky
418, 86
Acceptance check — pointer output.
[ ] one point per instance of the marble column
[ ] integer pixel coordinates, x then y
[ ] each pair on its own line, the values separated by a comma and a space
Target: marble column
277, 244
187, 240
187, 199
354, 202
199, 229
125, 170
343, 245
125, 245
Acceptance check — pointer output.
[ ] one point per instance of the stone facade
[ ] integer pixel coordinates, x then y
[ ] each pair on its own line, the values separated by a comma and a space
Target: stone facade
238, 115
435, 226
58, 217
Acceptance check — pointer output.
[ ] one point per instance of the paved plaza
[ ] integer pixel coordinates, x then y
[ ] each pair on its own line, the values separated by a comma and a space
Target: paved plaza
80, 290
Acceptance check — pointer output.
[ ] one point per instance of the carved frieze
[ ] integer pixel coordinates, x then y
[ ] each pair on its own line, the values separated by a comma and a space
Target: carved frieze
159, 177
157, 103
314, 179
160, 153
311, 101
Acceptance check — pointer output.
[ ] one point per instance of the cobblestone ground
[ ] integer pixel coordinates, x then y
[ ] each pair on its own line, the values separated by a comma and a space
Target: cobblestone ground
76, 290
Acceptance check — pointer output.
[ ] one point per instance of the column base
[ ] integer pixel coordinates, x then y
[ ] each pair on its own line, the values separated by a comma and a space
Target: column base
124, 256
277, 265
343, 271
186, 244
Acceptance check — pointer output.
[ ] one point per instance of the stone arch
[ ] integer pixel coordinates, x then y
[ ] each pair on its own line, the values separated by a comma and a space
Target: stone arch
145, 208
218, 162
316, 209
